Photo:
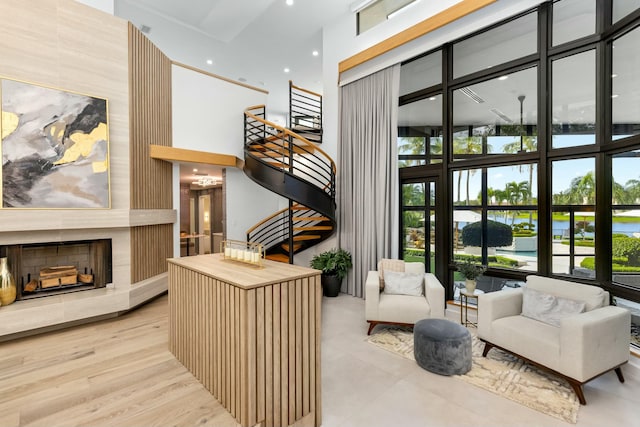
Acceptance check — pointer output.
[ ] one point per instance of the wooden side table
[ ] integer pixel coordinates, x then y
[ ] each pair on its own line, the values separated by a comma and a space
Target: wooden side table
464, 307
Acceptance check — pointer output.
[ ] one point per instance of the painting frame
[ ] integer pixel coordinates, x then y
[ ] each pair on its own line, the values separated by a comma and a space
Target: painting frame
55, 149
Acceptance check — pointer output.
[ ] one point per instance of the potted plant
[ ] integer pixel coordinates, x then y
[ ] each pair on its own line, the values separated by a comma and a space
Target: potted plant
334, 264
471, 271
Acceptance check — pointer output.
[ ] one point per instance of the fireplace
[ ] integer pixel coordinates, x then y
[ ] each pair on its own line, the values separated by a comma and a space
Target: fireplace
44, 269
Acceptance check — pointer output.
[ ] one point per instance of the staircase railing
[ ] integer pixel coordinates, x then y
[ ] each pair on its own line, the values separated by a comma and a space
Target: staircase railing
275, 228
305, 112
307, 178
285, 149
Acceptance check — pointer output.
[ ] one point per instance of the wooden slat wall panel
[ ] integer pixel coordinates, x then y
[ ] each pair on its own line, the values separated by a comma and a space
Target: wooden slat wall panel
150, 118
256, 350
151, 245
151, 180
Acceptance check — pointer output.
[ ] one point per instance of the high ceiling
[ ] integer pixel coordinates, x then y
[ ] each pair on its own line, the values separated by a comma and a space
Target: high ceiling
247, 40
252, 41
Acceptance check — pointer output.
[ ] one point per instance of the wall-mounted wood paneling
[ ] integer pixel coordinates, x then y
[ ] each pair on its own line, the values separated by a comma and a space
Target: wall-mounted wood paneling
150, 116
151, 245
151, 179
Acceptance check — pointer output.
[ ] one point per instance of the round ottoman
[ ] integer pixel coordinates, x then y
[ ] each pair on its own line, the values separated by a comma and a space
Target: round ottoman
442, 346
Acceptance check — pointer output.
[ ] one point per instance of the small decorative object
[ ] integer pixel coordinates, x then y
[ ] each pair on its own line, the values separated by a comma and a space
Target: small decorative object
334, 265
245, 252
7, 284
471, 271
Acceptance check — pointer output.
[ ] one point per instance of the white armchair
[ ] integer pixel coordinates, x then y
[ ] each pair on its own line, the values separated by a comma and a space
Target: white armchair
381, 307
578, 347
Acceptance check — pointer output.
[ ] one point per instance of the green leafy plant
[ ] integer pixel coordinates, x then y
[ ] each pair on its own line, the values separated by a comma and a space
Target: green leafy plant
333, 262
498, 234
628, 247
470, 270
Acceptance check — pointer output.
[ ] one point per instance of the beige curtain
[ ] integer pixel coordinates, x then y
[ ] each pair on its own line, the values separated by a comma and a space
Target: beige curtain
368, 173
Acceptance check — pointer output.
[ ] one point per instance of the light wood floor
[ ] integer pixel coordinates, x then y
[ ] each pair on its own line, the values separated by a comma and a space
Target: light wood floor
119, 373
115, 372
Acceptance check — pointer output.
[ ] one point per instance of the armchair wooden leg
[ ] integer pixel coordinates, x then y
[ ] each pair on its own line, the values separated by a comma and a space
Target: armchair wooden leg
487, 346
577, 388
619, 374
372, 325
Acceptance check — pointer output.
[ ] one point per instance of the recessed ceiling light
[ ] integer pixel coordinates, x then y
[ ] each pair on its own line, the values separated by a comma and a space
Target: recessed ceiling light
503, 77
433, 98
614, 95
614, 75
315, 53
195, 170
210, 61
289, 2
286, 70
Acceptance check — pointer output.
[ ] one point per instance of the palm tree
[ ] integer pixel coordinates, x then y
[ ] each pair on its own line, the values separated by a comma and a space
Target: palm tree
529, 144
413, 194
583, 189
620, 196
410, 145
470, 145
632, 188
517, 193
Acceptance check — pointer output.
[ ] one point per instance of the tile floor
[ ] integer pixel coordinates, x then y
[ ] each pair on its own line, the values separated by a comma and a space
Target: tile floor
364, 385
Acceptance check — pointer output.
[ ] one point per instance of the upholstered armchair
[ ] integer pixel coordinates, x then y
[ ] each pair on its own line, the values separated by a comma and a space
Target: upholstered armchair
566, 327
402, 296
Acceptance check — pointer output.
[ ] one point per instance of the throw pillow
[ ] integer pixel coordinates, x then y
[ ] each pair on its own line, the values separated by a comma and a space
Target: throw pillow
386, 264
548, 308
398, 283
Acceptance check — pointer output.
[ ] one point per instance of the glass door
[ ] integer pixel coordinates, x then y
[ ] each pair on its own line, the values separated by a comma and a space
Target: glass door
419, 221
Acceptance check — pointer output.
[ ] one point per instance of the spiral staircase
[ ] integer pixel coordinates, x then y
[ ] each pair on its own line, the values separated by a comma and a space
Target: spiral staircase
288, 162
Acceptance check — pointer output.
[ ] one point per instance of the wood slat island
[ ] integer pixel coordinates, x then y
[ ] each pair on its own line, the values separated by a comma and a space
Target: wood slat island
250, 335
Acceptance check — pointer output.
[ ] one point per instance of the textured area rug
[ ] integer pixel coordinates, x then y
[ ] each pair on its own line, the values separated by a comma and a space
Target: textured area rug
500, 373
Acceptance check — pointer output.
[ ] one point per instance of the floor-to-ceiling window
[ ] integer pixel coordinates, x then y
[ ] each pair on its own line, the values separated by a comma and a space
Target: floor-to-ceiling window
532, 127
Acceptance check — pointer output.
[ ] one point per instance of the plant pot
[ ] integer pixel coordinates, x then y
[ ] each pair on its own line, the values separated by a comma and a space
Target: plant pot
330, 285
470, 286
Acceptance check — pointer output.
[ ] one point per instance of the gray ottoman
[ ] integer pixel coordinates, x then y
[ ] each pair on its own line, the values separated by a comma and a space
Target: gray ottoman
442, 346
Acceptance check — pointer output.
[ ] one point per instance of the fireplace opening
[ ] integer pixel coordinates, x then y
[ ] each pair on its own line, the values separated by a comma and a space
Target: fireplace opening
45, 269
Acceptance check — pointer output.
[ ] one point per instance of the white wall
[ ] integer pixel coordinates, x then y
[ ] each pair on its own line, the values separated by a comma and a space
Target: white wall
208, 116
247, 204
208, 112
103, 5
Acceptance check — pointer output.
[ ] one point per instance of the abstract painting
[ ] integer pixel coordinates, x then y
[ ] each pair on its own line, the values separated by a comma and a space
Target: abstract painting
55, 148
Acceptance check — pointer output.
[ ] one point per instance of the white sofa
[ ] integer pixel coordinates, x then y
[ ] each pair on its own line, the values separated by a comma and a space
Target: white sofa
583, 346
381, 307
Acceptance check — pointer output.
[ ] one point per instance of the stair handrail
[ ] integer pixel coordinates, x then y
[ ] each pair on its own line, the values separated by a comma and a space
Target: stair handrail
264, 221
304, 90
290, 133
